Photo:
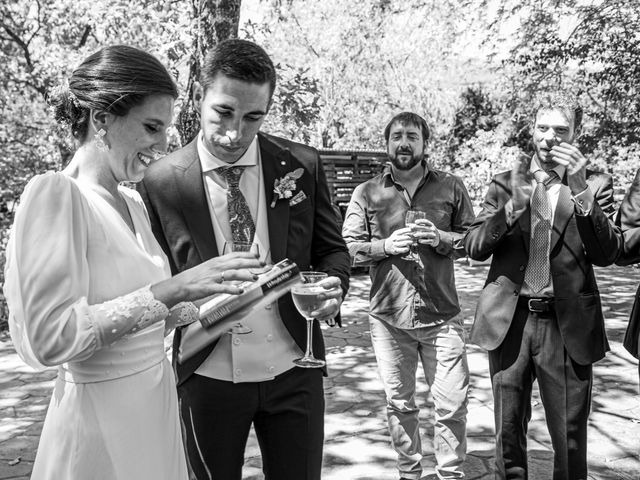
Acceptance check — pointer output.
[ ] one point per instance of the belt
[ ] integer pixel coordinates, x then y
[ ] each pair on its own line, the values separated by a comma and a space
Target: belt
538, 304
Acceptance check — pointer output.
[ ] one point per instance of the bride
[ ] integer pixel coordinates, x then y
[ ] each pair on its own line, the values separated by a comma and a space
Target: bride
89, 289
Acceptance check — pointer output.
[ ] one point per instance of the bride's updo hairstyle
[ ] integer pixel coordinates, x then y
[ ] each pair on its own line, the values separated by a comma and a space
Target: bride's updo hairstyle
114, 79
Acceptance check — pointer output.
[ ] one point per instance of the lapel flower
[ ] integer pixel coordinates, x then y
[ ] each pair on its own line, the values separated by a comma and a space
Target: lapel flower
284, 187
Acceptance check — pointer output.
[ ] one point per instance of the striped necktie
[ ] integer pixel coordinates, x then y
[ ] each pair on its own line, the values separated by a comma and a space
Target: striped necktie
538, 271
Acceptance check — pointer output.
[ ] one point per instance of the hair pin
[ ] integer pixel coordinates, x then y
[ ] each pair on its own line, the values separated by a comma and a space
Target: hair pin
74, 99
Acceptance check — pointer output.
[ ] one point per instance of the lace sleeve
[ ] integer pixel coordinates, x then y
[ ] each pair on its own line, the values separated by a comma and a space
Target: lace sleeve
47, 280
180, 315
126, 314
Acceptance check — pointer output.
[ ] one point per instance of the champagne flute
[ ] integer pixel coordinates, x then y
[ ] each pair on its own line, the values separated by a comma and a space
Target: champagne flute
305, 298
229, 247
410, 221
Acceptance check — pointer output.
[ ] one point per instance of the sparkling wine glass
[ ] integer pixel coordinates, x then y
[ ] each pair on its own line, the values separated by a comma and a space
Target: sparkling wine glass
229, 247
410, 221
305, 297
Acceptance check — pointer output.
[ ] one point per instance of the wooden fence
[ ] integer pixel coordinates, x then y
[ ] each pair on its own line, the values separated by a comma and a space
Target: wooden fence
346, 169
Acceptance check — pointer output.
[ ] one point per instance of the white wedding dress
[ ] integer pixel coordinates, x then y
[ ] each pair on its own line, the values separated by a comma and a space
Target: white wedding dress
77, 281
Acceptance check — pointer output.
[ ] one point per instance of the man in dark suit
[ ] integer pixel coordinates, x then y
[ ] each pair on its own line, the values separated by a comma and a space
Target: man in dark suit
233, 183
539, 315
629, 222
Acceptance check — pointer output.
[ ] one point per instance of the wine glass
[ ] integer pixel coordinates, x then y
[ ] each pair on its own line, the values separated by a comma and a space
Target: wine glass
229, 247
305, 298
410, 221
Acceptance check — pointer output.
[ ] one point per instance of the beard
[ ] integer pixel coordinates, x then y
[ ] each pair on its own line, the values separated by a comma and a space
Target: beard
545, 160
405, 164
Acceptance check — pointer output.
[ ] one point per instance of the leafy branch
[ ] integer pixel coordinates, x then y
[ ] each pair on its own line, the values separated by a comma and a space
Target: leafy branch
20, 43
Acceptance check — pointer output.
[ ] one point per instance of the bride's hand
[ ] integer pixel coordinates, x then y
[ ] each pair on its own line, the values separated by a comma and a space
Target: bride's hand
208, 278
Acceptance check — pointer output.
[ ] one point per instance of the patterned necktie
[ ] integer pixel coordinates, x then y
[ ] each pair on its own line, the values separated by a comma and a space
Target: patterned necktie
240, 221
538, 269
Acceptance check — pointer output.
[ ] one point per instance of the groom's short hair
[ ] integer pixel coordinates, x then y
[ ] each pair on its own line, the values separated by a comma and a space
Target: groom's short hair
241, 60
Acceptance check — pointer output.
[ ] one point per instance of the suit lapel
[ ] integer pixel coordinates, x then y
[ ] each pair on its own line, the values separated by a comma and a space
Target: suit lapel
564, 211
276, 162
194, 204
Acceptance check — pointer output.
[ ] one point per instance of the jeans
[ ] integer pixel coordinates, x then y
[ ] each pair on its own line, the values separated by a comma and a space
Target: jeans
442, 351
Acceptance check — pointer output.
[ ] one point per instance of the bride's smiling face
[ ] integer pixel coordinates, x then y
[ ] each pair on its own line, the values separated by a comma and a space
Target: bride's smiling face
135, 137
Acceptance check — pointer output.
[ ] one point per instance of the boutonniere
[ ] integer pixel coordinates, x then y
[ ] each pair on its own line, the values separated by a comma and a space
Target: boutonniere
284, 187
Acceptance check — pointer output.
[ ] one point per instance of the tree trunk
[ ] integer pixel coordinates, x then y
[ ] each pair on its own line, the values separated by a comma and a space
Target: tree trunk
214, 21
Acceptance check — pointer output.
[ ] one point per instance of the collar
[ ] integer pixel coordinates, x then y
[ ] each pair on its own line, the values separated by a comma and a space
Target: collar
534, 166
209, 162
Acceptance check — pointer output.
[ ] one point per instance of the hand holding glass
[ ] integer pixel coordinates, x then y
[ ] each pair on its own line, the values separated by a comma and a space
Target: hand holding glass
229, 247
410, 221
306, 298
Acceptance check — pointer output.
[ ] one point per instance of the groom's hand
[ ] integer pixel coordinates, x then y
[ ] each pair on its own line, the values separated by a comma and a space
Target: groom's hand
333, 295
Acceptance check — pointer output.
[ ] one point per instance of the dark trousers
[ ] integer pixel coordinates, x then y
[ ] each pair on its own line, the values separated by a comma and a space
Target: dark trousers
288, 417
533, 349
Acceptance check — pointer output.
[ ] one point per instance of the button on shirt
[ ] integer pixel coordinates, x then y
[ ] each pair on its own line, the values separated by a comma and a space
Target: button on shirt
403, 292
269, 349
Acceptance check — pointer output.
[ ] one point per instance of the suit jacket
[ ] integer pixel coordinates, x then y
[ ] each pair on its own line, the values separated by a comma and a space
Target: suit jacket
628, 220
577, 243
306, 232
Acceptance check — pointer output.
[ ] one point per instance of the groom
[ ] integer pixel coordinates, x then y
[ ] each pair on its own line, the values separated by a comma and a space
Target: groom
220, 188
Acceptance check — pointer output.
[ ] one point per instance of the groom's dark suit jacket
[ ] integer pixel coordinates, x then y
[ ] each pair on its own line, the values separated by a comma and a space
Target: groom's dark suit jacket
306, 232
577, 243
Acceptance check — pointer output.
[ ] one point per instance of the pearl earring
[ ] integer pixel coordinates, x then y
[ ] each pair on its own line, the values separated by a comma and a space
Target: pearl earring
100, 143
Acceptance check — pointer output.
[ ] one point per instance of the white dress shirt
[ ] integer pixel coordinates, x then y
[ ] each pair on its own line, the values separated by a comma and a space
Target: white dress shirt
269, 349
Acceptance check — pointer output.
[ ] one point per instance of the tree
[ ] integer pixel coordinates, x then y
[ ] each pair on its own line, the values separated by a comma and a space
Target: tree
215, 20
41, 42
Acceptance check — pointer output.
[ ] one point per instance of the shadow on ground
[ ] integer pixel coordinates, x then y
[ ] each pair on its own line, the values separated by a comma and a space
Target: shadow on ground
357, 445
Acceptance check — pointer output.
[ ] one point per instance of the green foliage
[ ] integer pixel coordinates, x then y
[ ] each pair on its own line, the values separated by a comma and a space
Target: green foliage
482, 156
366, 61
40, 43
481, 142
477, 112
297, 101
